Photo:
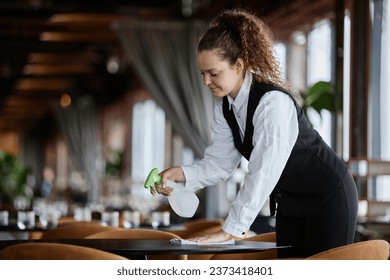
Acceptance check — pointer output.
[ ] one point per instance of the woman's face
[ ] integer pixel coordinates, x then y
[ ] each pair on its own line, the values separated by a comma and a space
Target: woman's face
220, 76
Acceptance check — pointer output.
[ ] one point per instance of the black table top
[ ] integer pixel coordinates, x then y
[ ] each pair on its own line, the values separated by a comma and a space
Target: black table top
137, 247
15, 228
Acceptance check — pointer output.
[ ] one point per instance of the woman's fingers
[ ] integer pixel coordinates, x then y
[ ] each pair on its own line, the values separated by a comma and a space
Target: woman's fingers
152, 191
219, 236
164, 190
174, 173
161, 190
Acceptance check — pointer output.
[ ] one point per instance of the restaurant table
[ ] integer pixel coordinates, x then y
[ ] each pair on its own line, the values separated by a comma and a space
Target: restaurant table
15, 228
139, 248
12, 231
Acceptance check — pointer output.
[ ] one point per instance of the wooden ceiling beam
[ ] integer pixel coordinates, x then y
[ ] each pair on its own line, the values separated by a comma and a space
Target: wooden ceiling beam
85, 19
42, 84
61, 58
95, 37
56, 70
26, 102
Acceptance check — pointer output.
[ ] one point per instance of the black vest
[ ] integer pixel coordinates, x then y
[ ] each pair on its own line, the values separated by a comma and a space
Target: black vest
312, 172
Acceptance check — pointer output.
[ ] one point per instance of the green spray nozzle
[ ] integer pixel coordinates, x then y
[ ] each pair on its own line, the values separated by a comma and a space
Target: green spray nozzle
152, 179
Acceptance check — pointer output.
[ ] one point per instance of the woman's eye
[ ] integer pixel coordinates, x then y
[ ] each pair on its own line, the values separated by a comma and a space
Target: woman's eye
213, 74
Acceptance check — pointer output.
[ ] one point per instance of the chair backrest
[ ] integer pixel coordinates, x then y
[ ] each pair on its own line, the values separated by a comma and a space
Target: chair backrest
66, 220
54, 251
364, 250
76, 230
133, 233
198, 225
136, 233
262, 255
62, 222
202, 223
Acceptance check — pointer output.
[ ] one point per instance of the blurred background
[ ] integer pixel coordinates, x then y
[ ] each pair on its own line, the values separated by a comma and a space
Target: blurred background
94, 94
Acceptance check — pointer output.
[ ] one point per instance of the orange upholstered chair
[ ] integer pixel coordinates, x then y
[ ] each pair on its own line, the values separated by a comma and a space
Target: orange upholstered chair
74, 231
54, 251
364, 250
136, 233
193, 226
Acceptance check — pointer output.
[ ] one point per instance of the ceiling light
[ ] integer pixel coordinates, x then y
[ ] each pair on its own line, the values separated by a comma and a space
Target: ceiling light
65, 100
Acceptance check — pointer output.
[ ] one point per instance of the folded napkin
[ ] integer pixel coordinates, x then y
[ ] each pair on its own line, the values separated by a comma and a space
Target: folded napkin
178, 241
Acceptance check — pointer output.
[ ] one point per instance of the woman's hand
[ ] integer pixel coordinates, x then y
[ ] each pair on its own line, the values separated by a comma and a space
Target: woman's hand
219, 236
162, 190
174, 174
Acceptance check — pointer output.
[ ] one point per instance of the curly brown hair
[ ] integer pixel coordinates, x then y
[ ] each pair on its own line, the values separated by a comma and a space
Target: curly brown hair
238, 34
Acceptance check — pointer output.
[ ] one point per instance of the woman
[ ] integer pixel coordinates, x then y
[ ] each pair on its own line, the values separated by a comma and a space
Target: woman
256, 117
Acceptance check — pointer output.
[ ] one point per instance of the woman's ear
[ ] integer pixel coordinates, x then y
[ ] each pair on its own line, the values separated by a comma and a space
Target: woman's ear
239, 65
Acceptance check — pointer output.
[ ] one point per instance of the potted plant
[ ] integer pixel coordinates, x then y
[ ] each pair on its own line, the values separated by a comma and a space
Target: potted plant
321, 96
13, 178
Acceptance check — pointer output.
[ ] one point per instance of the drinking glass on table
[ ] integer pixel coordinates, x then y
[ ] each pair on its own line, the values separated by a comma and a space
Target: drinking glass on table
131, 219
49, 217
26, 219
21, 203
82, 214
110, 219
4, 218
160, 218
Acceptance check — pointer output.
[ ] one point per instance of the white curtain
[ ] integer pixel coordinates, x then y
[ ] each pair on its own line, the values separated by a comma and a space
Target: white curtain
164, 56
78, 123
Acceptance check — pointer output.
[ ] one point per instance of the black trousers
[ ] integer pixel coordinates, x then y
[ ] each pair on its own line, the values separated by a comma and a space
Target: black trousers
334, 225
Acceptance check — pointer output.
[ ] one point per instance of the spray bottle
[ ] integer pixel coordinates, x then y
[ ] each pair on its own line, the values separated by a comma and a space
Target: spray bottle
183, 201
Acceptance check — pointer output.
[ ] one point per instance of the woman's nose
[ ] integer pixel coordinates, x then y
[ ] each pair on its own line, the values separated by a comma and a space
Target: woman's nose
206, 80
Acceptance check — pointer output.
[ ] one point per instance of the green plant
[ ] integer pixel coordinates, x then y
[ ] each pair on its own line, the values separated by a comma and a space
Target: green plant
13, 178
322, 96
113, 166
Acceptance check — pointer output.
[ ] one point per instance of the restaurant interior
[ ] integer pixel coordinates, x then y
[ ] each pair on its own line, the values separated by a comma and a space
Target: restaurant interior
95, 94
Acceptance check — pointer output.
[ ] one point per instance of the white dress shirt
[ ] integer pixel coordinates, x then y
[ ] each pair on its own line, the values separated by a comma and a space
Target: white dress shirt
275, 132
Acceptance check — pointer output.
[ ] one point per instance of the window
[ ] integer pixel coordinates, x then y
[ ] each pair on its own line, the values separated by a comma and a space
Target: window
381, 191
346, 87
385, 83
280, 54
148, 139
319, 69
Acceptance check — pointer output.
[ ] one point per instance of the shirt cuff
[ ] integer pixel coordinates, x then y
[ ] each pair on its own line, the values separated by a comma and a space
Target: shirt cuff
233, 229
190, 183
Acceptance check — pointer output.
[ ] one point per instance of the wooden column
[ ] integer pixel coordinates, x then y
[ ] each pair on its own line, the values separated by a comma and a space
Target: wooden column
360, 65
359, 87
338, 76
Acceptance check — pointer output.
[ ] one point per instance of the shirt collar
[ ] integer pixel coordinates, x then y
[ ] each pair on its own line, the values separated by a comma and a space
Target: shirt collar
242, 94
